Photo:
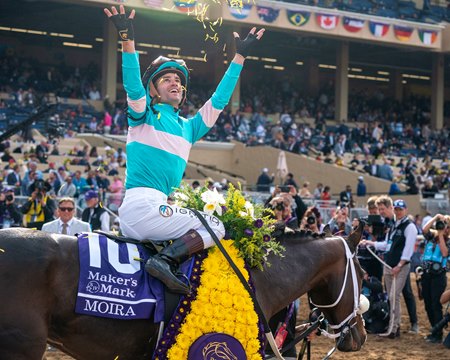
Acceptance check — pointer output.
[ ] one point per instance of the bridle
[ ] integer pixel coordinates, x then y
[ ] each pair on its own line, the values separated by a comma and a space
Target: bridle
344, 326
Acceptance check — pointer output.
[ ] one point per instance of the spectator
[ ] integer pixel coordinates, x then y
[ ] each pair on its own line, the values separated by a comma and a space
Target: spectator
346, 197
318, 191
304, 191
361, 187
13, 179
10, 215
429, 190
66, 223
290, 180
94, 214
394, 189
39, 208
116, 188
264, 181
326, 195
67, 189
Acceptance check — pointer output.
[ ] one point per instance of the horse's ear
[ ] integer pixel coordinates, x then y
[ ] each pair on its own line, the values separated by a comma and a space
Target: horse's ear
327, 231
355, 237
278, 229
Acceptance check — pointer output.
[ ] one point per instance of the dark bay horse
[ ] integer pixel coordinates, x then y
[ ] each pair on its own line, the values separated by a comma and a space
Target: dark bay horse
39, 279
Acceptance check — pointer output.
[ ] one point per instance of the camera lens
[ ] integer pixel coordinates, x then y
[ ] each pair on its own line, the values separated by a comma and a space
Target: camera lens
440, 225
311, 220
279, 207
9, 197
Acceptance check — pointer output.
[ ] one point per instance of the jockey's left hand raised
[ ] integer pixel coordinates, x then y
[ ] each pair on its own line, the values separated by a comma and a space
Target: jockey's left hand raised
243, 47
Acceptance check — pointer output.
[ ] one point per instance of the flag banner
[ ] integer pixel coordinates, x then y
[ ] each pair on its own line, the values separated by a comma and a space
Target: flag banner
267, 14
403, 33
185, 6
239, 12
428, 37
353, 25
298, 18
327, 22
378, 29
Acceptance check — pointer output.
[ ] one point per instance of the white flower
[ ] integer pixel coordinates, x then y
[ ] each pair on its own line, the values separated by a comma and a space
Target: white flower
213, 201
180, 198
250, 209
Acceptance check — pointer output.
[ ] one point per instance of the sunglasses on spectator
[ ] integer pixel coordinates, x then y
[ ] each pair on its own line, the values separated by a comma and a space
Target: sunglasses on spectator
66, 208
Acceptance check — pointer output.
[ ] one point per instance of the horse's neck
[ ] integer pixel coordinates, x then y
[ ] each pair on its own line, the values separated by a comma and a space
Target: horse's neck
304, 265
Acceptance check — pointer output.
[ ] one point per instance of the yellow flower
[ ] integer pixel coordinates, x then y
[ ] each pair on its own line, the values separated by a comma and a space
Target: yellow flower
222, 305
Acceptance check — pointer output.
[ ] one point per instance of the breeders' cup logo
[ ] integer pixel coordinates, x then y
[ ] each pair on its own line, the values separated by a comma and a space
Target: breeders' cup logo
93, 287
165, 211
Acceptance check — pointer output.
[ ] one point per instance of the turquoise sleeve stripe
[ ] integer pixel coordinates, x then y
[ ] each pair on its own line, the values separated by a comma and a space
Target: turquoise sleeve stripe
132, 76
222, 95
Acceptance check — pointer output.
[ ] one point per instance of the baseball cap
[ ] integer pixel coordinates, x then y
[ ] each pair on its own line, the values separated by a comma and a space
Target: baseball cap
360, 177
91, 194
400, 204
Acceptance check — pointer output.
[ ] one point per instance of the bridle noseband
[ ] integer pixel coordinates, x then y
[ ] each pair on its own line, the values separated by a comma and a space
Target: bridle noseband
344, 326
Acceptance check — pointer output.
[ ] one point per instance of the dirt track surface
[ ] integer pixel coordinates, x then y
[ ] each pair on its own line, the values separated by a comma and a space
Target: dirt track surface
407, 347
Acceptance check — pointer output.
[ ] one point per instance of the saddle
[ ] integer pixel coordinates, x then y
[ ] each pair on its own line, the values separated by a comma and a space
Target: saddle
152, 246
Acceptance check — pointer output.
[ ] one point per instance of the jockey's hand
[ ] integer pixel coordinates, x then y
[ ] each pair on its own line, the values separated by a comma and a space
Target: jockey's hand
243, 47
123, 24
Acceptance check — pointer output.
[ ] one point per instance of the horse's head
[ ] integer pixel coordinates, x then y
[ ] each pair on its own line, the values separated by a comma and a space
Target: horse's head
343, 287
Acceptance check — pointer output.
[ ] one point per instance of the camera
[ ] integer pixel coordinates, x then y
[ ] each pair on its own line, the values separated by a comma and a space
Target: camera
284, 188
437, 329
9, 197
39, 196
376, 221
311, 220
440, 225
279, 206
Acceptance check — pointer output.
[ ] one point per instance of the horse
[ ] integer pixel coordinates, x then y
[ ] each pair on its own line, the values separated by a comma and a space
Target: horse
39, 278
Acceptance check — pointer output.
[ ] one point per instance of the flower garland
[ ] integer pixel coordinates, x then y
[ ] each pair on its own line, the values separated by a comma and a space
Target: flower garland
249, 225
222, 305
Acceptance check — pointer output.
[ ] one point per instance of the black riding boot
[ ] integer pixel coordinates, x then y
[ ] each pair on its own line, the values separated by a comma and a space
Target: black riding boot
164, 265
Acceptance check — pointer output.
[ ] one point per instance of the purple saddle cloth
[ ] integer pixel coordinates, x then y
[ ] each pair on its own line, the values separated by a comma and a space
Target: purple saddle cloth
113, 282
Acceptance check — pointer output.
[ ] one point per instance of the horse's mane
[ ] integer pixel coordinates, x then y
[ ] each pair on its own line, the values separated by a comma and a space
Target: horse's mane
282, 235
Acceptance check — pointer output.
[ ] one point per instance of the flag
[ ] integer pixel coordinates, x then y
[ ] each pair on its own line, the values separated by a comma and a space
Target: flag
353, 25
267, 14
153, 3
327, 22
240, 12
185, 5
402, 33
428, 37
378, 29
298, 18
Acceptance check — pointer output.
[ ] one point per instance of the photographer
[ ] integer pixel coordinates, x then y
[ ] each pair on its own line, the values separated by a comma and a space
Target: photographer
39, 207
374, 231
340, 223
10, 215
312, 221
281, 206
290, 192
434, 264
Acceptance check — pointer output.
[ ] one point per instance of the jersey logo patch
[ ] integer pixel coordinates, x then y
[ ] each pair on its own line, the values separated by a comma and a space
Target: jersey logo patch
165, 211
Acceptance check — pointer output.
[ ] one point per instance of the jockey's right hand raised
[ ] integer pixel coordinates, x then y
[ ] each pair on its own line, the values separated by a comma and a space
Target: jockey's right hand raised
123, 24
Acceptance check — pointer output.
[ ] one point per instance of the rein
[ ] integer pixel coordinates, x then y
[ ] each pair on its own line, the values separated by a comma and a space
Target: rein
344, 326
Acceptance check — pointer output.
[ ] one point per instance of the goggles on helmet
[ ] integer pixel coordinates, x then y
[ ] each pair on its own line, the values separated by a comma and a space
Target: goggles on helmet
162, 65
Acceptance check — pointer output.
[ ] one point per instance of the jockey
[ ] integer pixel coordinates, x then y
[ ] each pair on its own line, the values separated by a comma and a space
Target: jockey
158, 146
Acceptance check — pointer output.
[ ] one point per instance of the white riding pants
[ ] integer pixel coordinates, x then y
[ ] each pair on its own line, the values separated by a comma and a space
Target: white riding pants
145, 214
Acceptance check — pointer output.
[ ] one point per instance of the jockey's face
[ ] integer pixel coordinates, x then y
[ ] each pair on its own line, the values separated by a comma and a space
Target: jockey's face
169, 89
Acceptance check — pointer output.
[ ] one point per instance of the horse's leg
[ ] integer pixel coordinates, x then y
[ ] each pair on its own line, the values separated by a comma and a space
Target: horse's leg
23, 336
